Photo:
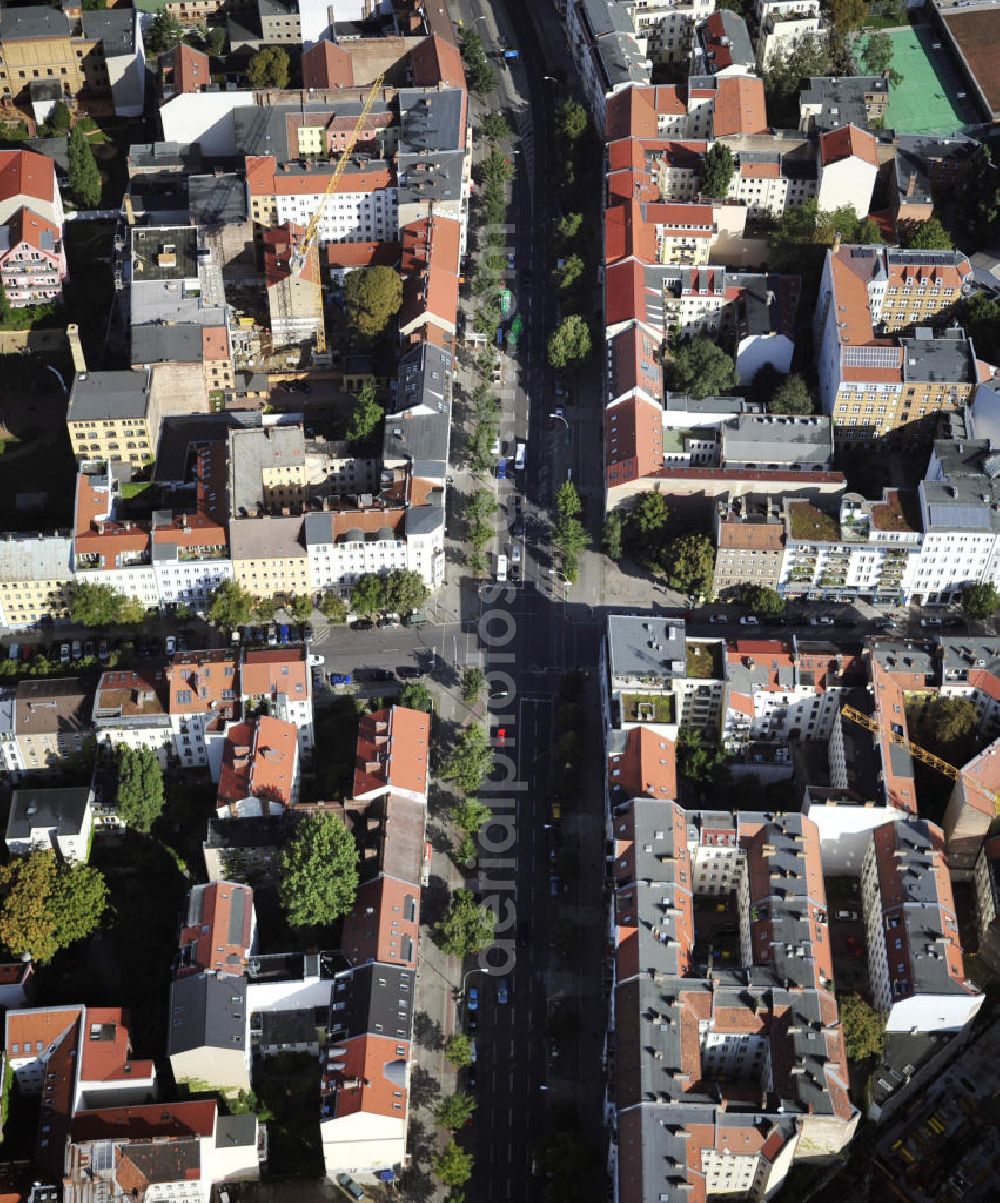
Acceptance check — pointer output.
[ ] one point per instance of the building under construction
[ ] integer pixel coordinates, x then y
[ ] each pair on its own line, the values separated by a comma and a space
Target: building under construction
294, 298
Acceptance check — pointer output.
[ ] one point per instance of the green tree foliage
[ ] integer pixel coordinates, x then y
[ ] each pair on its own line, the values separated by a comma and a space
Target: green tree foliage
863, 1028
45, 906
367, 413
569, 342
481, 442
569, 536
975, 200
332, 607
470, 760
368, 594
453, 1165
478, 74
139, 792
690, 562
319, 872
473, 680
611, 538
786, 68
571, 120
93, 605
700, 368
568, 227
497, 168
493, 126
703, 764
264, 609
469, 815
270, 67
980, 315
58, 121
717, 171
458, 1050
466, 927
84, 176
848, 15
301, 607
868, 233
479, 511
876, 58
791, 397
927, 235
980, 601
760, 599
231, 606
405, 590
165, 32
650, 513
567, 272
372, 296
947, 727
455, 1110
416, 696
215, 41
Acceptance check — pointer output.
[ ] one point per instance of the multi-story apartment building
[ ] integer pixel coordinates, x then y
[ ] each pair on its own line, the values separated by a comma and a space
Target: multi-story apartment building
277, 681
294, 297
32, 260
51, 721
722, 46
36, 573
202, 700
59, 819
393, 755
28, 180
782, 24
96, 56
259, 774
604, 45
749, 544
827, 102
106, 550
218, 930
130, 711
914, 954
113, 416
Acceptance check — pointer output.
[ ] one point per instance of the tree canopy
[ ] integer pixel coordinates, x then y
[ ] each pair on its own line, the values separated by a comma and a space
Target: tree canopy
399, 591
700, 368
366, 415
270, 67
45, 906
690, 564
791, 397
139, 791
467, 926
455, 1110
453, 1165
164, 33
231, 606
93, 605
570, 342
974, 202
416, 696
980, 315
567, 272
571, 120
458, 1050
717, 171
569, 536
760, 599
319, 871
980, 601
927, 235
84, 176
215, 40
478, 73
470, 760
473, 680
373, 296
876, 58
863, 1027
493, 126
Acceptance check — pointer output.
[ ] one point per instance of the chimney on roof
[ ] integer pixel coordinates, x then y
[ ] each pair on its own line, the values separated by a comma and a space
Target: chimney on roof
911, 183
76, 348
836, 242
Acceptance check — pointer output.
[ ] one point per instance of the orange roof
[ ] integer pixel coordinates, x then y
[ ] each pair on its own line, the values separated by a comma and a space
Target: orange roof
634, 363
739, 106
624, 292
264, 179
28, 1029
647, 767
627, 233
157, 1120
633, 439
361, 254
392, 751
269, 672
202, 683
848, 142
434, 241
365, 1061
27, 226
430, 263
192, 70
219, 929
214, 343
258, 761
326, 65
760, 171
384, 924
97, 534
24, 173
107, 1047
890, 710
753, 536
436, 61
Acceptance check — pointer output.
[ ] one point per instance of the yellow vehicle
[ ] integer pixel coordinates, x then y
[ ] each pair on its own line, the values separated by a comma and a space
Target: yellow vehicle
556, 811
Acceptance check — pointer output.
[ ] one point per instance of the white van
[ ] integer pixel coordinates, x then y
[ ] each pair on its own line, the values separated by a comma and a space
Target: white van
519, 456
501, 567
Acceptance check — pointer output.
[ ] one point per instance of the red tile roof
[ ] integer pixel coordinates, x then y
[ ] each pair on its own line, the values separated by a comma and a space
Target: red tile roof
633, 440
216, 913
155, 1121
107, 1048
258, 761
361, 254
191, 70
269, 672
624, 292
846, 142
634, 363
202, 683
627, 233
365, 1061
26, 226
264, 179
384, 924
647, 767
280, 244
392, 751
24, 173
739, 106
436, 61
327, 65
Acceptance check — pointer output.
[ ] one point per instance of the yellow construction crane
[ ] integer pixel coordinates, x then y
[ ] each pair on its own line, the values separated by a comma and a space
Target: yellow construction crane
935, 762
298, 259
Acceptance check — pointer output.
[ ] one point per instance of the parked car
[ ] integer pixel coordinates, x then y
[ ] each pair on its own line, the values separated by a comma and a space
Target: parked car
272, 635
495, 447
64, 654
554, 886
714, 618
170, 645
315, 660
340, 678
749, 620
473, 1003
284, 634
348, 1185
503, 996
103, 651
362, 624
851, 915
931, 622
77, 650
821, 620
407, 672
306, 632
382, 674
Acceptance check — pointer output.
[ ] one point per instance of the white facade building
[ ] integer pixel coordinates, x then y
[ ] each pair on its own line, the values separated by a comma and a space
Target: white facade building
348, 217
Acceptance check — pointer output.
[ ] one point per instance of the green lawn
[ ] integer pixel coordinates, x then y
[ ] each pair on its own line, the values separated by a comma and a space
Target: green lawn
925, 102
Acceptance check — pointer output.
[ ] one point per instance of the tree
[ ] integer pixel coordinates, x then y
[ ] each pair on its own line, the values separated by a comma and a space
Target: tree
455, 1110
567, 272
453, 1165
980, 315
944, 721
319, 871
569, 342
569, 537
470, 815
368, 594
58, 121
215, 42
332, 607
84, 177
45, 906
403, 590
568, 227
571, 120
791, 397
416, 696
367, 413
651, 513
231, 606
868, 233
980, 601
568, 503
477, 70
470, 760
761, 599
691, 564
717, 171
701, 368
139, 792
863, 1027
264, 609
494, 126
466, 927
301, 607
975, 200
473, 680
478, 512
165, 32
270, 67
929, 235
458, 1050
787, 67
877, 54
372, 296
702, 764
611, 538
93, 605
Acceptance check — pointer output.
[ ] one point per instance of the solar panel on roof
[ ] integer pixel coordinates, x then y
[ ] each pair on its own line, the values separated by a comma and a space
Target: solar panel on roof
991, 466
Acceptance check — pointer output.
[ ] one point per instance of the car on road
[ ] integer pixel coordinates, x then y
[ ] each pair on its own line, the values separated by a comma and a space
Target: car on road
77, 649
515, 553
498, 694
284, 633
362, 624
409, 672
714, 618
749, 620
472, 1022
103, 651
170, 645
501, 736
821, 620
503, 996
64, 654
850, 915
348, 1185
340, 678
306, 632
473, 1052
473, 1002
559, 412
555, 886
495, 447
931, 622
316, 660
517, 530
471, 1077
515, 573
272, 635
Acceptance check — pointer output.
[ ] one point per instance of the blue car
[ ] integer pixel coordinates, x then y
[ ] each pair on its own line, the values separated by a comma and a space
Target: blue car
501, 469
283, 633
473, 1003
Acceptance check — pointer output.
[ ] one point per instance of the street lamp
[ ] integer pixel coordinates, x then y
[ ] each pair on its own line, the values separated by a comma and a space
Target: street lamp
560, 418
478, 969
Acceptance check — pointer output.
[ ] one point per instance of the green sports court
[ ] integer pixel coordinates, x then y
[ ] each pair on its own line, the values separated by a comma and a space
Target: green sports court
926, 102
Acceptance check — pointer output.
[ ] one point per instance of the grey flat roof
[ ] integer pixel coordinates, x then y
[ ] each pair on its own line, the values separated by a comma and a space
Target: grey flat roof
167, 344
841, 99
114, 26
436, 176
108, 395
150, 244
769, 437
253, 450
35, 557
215, 200
34, 21
418, 427
260, 538
939, 359
62, 809
236, 1131
646, 647
207, 1012
256, 832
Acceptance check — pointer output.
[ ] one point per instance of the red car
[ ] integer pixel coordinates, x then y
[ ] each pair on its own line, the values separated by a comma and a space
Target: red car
501, 736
